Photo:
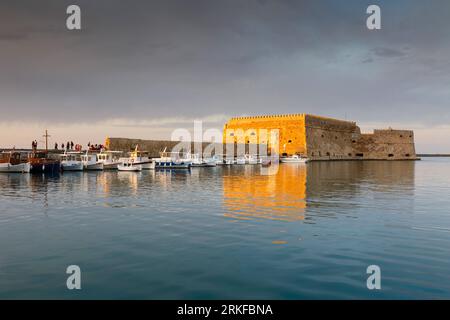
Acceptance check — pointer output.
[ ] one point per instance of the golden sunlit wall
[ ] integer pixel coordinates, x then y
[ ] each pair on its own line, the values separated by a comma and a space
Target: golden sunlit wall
249, 130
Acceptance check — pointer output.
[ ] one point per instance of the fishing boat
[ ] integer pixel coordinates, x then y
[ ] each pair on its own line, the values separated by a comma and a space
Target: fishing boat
172, 160
140, 158
71, 161
251, 159
40, 162
295, 158
90, 162
110, 159
13, 161
197, 161
129, 166
240, 160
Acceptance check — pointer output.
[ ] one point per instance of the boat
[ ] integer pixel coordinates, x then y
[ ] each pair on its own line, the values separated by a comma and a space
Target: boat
71, 161
13, 161
251, 159
172, 160
240, 160
129, 166
109, 159
295, 158
197, 161
141, 158
90, 162
266, 162
40, 162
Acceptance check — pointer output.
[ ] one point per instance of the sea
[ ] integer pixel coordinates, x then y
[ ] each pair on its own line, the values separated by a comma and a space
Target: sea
307, 231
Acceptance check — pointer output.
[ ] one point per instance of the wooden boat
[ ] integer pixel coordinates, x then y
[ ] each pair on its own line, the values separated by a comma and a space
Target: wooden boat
13, 161
129, 166
294, 159
90, 162
71, 161
40, 162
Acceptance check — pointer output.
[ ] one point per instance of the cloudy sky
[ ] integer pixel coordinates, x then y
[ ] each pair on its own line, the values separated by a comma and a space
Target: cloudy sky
141, 68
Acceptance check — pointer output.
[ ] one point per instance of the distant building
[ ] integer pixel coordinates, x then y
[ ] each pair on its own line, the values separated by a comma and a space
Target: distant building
321, 138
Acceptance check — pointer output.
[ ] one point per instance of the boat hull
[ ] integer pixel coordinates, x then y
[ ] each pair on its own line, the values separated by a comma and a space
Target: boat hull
110, 166
15, 168
53, 167
72, 166
171, 165
132, 168
288, 160
93, 167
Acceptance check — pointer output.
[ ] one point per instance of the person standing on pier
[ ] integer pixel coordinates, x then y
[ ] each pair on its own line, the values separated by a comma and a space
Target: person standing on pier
56, 146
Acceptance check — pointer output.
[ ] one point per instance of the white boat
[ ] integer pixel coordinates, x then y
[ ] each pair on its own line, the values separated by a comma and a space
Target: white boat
110, 159
251, 159
172, 160
90, 162
241, 160
13, 162
129, 166
197, 161
140, 158
71, 161
294, 159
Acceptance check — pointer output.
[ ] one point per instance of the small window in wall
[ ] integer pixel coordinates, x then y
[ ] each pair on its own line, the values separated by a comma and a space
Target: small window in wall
359, 154
390, 155
353, 141
349, 154
312, 154
320, 154
407, 155
401, 136
328, 154
289, 141
323, 136
232, 134
335, 137
252, 134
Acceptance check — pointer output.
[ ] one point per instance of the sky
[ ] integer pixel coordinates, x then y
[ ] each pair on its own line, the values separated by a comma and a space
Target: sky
140, 69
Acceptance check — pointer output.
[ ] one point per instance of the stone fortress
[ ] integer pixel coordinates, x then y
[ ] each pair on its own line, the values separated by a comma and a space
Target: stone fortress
321, 138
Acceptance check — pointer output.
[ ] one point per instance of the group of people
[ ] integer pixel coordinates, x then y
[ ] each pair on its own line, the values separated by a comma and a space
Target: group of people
95, 147
69, 146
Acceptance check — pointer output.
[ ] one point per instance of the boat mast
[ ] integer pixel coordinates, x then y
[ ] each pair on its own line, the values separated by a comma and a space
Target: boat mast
46, 136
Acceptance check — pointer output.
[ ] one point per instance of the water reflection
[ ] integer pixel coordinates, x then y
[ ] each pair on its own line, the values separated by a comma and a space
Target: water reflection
296, 189
247, 194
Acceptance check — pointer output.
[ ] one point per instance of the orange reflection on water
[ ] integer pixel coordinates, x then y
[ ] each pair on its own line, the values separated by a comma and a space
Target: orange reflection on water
277, 197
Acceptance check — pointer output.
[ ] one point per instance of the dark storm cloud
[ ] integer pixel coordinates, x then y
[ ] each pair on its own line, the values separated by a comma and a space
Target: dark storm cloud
146, 59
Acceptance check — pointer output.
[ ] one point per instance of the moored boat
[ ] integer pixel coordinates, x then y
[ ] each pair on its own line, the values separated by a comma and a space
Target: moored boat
172, 160
71, 161
197, 161
109, 159
295, 158
138, 157
90, 162
129, 166
13, 161
40, 162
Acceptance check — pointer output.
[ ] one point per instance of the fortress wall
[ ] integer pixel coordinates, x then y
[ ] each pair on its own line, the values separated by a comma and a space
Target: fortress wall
386, 144
292, 138
330, 139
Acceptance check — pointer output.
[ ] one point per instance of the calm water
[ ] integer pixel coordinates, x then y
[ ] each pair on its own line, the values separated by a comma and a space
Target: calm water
308, 232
